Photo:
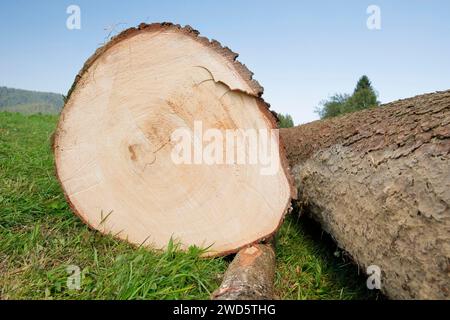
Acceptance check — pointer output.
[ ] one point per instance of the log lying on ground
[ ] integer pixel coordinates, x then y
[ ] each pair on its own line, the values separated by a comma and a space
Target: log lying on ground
379, 182
114, 145
250, 276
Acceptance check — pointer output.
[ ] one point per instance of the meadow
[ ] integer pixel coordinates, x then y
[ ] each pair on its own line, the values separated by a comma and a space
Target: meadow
40, 238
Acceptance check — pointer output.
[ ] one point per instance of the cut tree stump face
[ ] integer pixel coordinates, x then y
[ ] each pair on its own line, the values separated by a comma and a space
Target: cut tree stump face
114, 146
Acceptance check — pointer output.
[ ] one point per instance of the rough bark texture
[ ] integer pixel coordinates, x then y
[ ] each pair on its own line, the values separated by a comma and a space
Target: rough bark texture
250, 276
379, 182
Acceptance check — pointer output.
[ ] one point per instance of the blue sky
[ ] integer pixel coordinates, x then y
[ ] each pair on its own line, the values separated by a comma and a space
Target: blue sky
301, 52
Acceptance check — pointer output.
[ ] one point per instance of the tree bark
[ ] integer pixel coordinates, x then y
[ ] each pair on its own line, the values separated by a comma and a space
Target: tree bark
114, 145
250, 276
379, 182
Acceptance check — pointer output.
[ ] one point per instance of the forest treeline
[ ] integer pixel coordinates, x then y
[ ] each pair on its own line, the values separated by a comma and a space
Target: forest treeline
30, 102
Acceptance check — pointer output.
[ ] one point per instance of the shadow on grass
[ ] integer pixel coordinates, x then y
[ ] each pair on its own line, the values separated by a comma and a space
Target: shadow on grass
311, 266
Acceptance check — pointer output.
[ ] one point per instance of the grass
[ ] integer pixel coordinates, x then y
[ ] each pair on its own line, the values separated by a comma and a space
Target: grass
311, 266
40, 238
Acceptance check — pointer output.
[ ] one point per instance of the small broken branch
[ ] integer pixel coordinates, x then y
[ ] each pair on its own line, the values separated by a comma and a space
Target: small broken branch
250, 276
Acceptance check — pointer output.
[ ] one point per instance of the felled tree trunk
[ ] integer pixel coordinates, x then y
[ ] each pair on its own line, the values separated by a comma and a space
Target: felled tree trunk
250, 276
117, 158
379, 182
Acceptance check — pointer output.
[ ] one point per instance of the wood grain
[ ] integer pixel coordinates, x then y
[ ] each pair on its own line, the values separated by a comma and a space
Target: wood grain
113, 144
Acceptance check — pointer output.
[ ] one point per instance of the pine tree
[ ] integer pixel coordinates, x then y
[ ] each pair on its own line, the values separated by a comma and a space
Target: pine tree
364, 96
363, 83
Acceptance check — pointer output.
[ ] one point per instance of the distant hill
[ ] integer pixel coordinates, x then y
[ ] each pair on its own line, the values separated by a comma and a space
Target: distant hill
29, 102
